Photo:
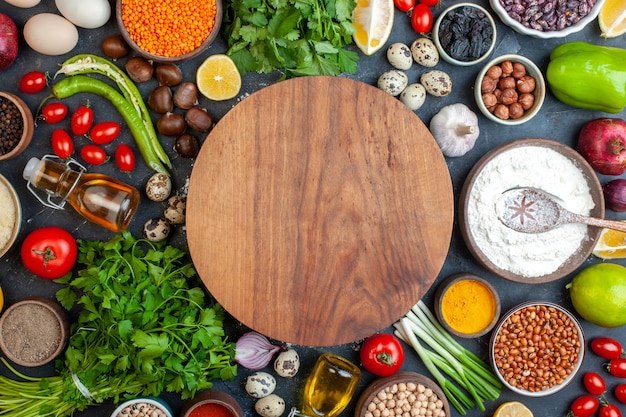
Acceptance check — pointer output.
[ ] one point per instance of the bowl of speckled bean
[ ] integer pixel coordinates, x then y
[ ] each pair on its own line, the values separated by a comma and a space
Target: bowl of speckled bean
16, 125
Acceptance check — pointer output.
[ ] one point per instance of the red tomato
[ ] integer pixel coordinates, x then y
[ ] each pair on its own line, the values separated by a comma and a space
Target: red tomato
404, 5
421, 18
33, 82
620, 393
594, 383
430, 3
49, 252
93, 154
382, 354
610, 410
606, 347
617, 367
62, 144
584, 406
124, 158
104, 132
54, 112
82, 119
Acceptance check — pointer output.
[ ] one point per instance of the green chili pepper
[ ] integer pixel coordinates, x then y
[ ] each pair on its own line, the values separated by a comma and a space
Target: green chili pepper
588, 76
83, 84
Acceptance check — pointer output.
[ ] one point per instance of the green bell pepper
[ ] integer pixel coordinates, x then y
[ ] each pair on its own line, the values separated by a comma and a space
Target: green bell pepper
588, 76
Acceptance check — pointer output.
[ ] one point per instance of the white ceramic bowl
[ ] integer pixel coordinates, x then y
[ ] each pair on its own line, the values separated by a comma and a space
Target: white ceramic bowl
444, 54
164, 408
520, 28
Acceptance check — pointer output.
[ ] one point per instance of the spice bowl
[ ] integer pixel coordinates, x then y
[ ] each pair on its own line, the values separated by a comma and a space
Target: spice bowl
526, 257
212, 402
467, 305
11, 219
402, 383
168, 25
510, 90
546, 24
470, 15
149, 406
537, 348
33, 331
15, 141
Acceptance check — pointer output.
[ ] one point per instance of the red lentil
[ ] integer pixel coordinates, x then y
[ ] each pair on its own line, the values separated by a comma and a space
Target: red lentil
168, 28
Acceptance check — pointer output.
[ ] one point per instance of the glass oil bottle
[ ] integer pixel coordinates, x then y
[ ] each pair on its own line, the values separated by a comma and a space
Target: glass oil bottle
99, 198
329, 388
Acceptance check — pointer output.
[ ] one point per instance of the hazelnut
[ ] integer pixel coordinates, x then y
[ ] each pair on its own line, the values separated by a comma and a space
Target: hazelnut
526, 100
509, 96
519, 70
516, 111
498, 93
526, 84
488, 85
489, 100
494, 72
507, 68
501, 111
506, 82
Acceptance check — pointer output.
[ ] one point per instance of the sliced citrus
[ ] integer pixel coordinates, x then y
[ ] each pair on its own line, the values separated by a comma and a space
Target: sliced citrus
218, 78
373, 20
611, 245
612, 18
512, 409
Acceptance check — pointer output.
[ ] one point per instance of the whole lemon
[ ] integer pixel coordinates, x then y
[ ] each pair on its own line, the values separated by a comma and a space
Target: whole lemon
598, 294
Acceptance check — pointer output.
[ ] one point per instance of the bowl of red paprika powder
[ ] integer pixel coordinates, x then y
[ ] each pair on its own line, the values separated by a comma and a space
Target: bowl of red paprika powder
212, 403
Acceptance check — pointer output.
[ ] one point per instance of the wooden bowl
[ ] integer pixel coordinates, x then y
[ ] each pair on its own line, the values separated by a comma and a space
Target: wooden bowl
13, 222
170, 59
28, 129
33, 318
370, 392
212, 396
476, 183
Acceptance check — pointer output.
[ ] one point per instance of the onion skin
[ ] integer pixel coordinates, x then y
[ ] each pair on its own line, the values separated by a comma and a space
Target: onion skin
602, 142
254, 351
615, 195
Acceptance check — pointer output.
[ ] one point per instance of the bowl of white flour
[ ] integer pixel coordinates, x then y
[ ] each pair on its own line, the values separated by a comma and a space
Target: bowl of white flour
11, 217
522, 257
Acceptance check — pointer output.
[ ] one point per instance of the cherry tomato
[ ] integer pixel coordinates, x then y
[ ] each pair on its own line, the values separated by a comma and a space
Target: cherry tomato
584, 406
62, 144
82, 119
430, 3
594, 383
609, 410
54, 112
104, 132
404, 5
382, 354
617, 367
620, 393
93, 154
421, 18
49, 252
606, 347
124, 158
33, 82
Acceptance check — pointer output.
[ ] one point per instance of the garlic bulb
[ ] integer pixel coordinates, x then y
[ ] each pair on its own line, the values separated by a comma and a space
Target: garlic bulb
455, 128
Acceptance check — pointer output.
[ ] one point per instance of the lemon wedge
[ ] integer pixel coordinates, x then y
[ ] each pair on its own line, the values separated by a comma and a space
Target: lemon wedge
612, 18
218, 78
373, 20
512, 409
611, 245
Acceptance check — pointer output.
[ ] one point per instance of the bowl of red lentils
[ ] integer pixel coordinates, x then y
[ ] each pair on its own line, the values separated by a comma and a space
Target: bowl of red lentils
16, 125
537, 348
169, 31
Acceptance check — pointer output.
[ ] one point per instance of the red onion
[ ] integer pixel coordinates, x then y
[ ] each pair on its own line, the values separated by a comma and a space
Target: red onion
615, 195
254, 351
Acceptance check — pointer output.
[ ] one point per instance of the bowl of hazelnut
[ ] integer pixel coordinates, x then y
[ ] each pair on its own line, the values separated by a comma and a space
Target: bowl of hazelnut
510, 90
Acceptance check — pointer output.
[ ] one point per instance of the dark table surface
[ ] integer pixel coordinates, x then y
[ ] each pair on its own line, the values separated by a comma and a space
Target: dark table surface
555, 121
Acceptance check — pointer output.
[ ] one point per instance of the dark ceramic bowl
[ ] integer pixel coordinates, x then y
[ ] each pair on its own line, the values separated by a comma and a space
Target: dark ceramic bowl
29, 125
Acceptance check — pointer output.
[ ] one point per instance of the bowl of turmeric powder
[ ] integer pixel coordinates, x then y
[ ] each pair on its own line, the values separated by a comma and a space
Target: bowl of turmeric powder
169, 32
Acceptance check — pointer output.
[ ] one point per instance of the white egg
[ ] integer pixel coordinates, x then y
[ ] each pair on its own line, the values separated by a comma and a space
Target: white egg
50, 34
23, 3
89, 14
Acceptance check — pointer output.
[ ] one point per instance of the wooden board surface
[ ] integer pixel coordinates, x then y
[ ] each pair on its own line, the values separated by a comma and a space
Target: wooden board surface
319, 211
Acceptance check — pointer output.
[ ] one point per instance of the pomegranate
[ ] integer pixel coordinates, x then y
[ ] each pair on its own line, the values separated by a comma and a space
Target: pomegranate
9, 38
602, 142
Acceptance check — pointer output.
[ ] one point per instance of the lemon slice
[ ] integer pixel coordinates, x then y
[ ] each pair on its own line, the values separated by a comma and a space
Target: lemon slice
373, 20
611, 245
612, 18
512, 409
218, 78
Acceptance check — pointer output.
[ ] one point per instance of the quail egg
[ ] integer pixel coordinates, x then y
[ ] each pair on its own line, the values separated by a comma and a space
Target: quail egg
393, 82
156, 230
158, 187
399, 56
270, 406
413, 96
260, 384
436, 83
175, 209
287, 363
425, 52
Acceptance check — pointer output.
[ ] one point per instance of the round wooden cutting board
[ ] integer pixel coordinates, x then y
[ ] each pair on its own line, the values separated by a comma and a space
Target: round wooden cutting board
319, 211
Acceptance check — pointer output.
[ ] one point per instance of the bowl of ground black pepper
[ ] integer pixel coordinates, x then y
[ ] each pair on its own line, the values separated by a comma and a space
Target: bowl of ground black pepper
16, 125
169, 32
465, 34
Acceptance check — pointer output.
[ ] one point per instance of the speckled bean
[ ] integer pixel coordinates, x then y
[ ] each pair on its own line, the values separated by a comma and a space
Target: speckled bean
547, 15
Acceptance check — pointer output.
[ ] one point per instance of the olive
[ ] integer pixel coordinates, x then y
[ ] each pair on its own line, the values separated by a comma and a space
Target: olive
187, 145
115, 47
168, 74
186, 96
160, 100
171, 124
139, 69
199, 119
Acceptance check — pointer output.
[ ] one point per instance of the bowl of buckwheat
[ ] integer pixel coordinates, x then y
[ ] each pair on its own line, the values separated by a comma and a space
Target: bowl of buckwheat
537, 348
